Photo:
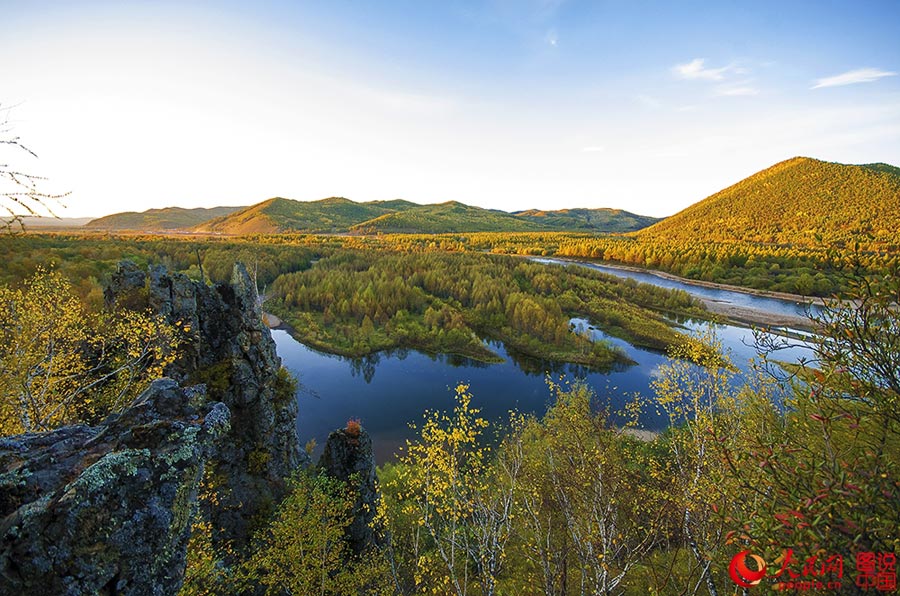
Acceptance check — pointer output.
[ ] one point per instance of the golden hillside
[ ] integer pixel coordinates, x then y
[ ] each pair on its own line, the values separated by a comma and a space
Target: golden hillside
800, 201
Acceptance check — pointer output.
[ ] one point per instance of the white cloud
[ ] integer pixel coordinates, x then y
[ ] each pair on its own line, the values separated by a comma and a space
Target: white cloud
695, 69
593, 149
852, 77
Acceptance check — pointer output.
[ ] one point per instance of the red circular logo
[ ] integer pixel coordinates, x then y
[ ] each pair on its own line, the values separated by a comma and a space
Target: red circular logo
743, 575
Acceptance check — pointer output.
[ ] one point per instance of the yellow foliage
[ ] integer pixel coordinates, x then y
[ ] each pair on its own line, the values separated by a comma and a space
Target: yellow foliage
60, 364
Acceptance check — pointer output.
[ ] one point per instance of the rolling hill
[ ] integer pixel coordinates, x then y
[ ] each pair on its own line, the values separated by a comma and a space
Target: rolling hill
34, 222
340, 215
589, 220
169, 218
446, 217
334, 214
800, 201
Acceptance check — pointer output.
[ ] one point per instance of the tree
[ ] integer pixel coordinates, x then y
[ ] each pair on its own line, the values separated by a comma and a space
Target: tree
696, 392
588, 510
60, 364
20, 192
303, 549
449, 489
830, 466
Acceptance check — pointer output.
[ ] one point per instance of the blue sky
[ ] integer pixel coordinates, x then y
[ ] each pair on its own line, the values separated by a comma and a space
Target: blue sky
509, 104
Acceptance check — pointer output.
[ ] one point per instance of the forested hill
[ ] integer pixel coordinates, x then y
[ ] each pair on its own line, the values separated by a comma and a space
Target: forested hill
589, 220
340, 215
169, 218
800, 201
343, 215
446, 217
334, 214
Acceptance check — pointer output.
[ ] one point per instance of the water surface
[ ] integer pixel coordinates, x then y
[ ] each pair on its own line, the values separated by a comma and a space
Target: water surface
742, 299
387, 392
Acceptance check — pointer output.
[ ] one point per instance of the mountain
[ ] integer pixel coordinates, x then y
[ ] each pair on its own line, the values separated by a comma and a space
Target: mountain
170, 218
446, 218
32, 222
335, 214
588, 220
800, 201
340, 215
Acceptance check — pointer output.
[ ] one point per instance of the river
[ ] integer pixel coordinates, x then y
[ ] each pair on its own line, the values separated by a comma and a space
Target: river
388, 391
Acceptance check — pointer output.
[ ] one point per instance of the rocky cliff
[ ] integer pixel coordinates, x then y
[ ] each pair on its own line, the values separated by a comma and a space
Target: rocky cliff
231, 351
348, 457
107, 509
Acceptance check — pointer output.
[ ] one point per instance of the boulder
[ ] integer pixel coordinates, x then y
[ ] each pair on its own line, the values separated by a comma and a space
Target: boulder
107, 509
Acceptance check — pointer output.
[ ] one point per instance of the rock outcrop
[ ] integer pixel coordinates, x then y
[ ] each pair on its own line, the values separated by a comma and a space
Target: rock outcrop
348, 457
107, 509
231, 351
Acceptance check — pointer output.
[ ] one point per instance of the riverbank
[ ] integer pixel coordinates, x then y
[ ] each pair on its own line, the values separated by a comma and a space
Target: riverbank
731, 313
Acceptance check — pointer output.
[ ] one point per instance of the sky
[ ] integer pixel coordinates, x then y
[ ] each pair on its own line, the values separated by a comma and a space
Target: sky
505, 104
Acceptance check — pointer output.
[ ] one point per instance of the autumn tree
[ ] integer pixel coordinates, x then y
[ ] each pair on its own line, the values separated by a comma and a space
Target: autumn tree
60, 364
461, 504
829, 467
696, 391
588, 506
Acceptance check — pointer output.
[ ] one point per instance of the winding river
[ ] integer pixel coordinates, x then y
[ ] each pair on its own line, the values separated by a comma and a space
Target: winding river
388, 391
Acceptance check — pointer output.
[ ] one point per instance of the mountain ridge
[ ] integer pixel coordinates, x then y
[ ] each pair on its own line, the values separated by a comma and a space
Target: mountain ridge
166, 218
798, 201
342, 215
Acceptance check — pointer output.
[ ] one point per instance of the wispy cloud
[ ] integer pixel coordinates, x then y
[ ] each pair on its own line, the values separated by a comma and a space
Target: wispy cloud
852, 77
696, 69
593, 149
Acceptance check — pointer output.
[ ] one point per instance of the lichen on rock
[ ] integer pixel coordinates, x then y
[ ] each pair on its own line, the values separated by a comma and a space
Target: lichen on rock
231, 351
348, 457
106, 509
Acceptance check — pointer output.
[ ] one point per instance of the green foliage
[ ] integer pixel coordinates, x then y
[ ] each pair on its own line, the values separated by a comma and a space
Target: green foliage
169, 218
337, 214
276, 215
443, 218
301, 550
589, 503
603, 221
356, 303
830, 468
285, 386
594, 510
85, 260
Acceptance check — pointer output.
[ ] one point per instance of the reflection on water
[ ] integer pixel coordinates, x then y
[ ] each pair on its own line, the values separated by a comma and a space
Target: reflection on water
390, 390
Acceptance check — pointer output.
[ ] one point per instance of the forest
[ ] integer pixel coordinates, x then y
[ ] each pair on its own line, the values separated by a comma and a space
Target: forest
354, 297
799, 466
803, 470
357, 302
